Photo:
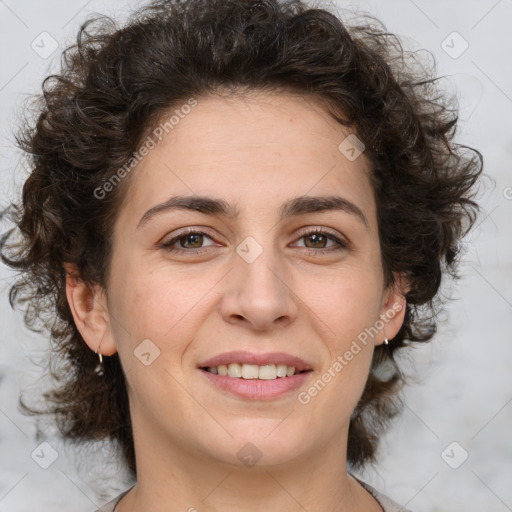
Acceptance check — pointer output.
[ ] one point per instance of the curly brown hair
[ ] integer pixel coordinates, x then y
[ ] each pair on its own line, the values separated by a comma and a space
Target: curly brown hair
115, 84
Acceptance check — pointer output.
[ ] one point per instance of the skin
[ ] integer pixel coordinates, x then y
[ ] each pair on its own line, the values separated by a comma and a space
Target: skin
256, 152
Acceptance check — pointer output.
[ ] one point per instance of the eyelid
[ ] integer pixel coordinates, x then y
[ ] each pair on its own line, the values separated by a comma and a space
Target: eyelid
178, 233
199, 230
340, 240
308, 230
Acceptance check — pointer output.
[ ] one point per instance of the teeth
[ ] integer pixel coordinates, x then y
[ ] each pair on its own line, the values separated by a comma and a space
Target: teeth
249, 371
253, 371
235, 370
268, 372
281, 370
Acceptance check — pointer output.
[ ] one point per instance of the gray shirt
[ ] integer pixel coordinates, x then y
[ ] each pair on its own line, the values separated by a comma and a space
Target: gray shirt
387, 504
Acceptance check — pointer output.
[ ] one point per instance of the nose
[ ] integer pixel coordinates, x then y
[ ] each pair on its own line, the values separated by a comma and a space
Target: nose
259, 295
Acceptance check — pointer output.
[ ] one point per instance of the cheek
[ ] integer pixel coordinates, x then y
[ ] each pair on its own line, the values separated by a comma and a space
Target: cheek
155, 303
155, 321
166, 309
346, 310
347, 303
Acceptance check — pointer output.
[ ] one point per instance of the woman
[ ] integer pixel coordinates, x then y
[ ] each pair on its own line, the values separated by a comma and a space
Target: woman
238, 212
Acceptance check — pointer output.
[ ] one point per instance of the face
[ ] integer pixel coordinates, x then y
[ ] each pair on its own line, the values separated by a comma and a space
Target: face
280, 259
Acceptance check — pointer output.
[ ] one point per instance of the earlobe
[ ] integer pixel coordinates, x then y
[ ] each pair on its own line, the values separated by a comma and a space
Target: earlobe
393, 310
88, 307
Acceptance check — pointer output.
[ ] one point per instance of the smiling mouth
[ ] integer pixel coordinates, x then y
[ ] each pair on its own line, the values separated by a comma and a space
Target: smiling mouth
254, 371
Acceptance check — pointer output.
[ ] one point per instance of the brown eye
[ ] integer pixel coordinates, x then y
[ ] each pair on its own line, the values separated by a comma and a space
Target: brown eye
319, 241
191, 241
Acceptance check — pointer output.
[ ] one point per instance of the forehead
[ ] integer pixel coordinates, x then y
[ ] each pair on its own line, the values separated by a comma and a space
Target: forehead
275, 144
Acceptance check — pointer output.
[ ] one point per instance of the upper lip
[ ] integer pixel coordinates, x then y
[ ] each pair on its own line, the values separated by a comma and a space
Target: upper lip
241, 356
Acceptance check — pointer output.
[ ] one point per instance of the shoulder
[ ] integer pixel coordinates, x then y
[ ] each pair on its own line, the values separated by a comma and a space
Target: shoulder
385, 502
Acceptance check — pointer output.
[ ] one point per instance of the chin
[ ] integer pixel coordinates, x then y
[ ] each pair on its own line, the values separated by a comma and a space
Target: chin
263, 447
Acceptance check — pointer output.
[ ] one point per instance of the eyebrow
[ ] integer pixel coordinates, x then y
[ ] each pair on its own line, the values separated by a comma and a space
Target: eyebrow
219, 207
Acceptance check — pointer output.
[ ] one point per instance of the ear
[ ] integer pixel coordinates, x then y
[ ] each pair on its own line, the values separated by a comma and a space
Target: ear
393, 308
90, 313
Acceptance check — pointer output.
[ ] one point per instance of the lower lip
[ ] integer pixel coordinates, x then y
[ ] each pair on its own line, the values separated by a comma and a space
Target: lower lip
256, 389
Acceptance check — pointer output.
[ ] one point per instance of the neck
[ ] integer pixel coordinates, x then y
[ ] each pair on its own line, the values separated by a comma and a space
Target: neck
175, 479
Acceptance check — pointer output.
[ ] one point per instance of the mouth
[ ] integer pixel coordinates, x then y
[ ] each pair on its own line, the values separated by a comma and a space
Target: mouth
256, 376
254, 371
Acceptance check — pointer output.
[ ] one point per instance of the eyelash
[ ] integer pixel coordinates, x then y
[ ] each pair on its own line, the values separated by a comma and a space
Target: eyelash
331, 236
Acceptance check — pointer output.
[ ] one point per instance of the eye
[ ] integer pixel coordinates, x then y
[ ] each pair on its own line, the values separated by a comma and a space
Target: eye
187, 241
316, 241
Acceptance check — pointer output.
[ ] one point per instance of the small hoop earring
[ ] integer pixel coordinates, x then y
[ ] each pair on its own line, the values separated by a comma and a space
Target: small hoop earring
99, 367
386, 341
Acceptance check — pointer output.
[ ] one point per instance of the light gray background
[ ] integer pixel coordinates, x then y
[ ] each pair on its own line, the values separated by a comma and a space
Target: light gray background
463, 392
